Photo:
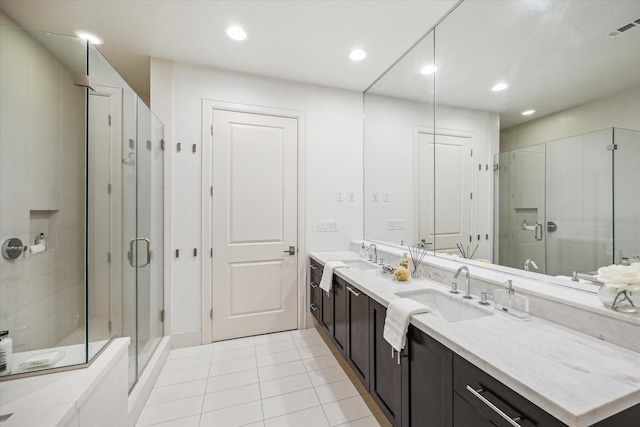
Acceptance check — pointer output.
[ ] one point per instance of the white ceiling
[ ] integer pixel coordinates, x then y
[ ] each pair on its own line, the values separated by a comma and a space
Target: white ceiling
299, 40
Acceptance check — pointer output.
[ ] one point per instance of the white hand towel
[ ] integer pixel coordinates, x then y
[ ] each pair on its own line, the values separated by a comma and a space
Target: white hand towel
397, 320
327, 274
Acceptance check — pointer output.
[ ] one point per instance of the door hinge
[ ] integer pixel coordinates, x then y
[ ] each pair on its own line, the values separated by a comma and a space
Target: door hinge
471, 153
110, 326
178, 147
496, 167
148, 145
162, 315
109, 120
109, 188
471, 196
109, 257
162, 144
211, 130
211, 191
211, 252
132, 144
211, 313
470, 238
612, 147
193, 148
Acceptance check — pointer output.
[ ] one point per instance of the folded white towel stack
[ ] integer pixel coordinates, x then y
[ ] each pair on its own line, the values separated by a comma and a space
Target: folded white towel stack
397, 320
327, 274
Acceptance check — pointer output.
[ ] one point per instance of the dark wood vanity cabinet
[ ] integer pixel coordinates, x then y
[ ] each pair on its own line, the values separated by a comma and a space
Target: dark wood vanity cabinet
315, 293
427, 385
357, 351
326, 314
479, 398
340, 314
385, 378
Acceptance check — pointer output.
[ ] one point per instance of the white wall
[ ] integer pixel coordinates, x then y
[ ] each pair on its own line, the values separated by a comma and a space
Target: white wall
333, 162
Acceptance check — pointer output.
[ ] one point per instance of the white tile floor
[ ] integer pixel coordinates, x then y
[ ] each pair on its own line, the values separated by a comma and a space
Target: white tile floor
283, 379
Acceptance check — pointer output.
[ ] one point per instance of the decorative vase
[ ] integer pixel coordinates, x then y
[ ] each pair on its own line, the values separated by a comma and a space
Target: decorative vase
625, 299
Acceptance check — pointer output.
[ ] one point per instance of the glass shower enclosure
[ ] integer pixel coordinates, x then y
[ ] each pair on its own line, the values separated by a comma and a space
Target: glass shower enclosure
571, 204
81, 204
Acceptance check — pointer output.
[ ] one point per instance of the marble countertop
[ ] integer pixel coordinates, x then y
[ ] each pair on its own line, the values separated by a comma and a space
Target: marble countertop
576, 378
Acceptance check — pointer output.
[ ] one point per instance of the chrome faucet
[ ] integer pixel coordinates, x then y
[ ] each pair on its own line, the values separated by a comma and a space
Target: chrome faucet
530, 262
375, 251
464, 268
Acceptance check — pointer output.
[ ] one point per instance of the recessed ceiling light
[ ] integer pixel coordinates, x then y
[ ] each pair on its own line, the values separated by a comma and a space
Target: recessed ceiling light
236, 33
528, 112
499, 86
357, 54
428, 69
91, 38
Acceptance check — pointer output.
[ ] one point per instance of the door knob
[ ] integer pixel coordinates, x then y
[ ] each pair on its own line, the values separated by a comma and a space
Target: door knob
291, 250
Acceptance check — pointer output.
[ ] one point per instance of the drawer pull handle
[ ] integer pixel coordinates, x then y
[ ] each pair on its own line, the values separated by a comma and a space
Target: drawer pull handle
497, 410
313, 267
314, 284
313, 307
353, 291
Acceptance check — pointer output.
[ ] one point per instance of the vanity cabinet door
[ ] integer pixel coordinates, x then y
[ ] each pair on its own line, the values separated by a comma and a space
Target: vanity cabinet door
427, 383
327, 311
315, 293
385, 378
340, 314
358, 333
491, 392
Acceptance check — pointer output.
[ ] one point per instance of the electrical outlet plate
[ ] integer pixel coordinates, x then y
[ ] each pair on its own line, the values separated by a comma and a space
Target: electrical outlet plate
325, 226
352, 196
395, 224
375, 196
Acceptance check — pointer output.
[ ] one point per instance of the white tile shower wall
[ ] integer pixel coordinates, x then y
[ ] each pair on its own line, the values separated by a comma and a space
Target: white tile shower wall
333, 138
42, 155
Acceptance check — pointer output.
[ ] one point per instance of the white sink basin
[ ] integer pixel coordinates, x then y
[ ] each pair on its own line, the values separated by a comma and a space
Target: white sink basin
359, 264
445, 306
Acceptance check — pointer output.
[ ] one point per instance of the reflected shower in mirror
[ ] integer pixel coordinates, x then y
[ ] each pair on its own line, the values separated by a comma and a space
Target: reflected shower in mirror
528, 87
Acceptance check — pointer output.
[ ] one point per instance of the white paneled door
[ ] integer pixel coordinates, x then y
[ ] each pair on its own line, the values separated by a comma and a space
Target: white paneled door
254, 180
446, 215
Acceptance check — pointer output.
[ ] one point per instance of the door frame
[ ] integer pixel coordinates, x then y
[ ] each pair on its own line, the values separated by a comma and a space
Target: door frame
208, 106
417, 130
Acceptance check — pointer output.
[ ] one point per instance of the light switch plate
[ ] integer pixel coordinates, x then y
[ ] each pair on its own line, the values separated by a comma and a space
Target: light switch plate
325, 226
385, 196
339, 196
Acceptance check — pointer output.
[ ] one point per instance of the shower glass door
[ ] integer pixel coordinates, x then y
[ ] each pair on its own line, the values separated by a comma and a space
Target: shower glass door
149, 235
135, 227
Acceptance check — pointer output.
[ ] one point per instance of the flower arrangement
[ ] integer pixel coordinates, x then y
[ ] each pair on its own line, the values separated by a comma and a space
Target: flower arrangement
621, 287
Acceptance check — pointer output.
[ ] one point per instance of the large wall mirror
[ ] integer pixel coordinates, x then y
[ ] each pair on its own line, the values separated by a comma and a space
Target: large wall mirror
511, 132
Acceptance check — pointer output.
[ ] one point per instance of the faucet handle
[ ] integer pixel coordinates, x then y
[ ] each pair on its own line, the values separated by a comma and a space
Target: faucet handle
483, 299
510, 289
454, 287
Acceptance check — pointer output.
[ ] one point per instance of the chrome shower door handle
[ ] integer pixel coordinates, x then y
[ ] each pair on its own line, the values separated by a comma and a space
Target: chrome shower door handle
539, 228
130, 254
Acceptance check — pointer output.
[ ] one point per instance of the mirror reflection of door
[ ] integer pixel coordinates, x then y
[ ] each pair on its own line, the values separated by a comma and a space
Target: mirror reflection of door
446, 216
579, 201
104, 213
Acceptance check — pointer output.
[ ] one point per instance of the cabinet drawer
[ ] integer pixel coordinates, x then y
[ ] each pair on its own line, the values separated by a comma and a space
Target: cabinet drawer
490, 392
316, 271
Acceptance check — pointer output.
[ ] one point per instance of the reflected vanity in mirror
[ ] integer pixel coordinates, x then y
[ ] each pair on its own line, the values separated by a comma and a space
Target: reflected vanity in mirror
513, 127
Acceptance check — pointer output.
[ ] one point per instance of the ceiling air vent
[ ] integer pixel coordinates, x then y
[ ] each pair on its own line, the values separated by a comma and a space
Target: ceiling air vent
626, 27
